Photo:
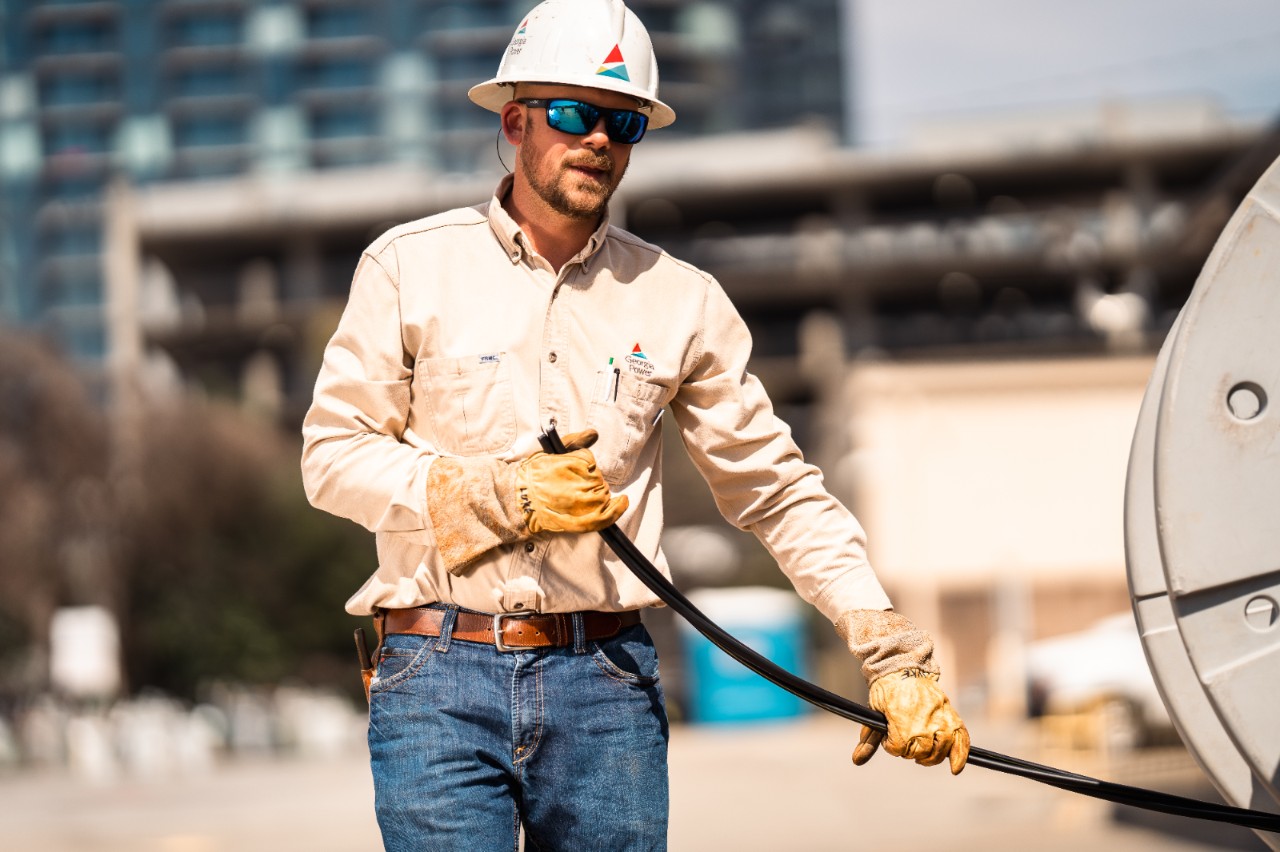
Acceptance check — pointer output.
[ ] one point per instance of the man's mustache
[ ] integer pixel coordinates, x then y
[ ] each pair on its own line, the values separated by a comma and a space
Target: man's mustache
603, 162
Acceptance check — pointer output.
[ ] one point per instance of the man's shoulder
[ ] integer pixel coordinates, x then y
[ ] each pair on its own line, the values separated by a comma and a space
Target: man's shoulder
659, 258
428, 227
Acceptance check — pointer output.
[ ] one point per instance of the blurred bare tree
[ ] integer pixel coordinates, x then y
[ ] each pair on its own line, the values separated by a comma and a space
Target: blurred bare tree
195, 532
53, 464
229, 572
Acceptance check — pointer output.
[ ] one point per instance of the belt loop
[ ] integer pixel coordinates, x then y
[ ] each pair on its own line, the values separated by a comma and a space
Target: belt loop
579, 633
379, 622
446, 628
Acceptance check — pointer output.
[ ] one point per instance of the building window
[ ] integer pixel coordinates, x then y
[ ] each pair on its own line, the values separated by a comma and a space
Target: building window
466, 67
477, 13
74, 89
76, 240
80, 289
77, 37
76, 138
206, 30
466, 116
345, 121
72, 188
341, 74
338, 21
661, 18
208, 130
205, 82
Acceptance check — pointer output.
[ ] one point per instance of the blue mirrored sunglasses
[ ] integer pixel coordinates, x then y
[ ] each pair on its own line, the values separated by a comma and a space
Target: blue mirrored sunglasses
624, 126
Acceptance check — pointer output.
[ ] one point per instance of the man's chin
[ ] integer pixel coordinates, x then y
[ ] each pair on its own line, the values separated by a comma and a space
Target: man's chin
583, 199
584, 205
583, 214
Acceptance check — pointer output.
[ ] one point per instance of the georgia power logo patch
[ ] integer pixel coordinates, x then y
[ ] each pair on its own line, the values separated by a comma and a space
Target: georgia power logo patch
519, 39
638, 363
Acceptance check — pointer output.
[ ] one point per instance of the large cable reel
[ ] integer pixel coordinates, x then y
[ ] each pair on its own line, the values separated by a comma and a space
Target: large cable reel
1202, 511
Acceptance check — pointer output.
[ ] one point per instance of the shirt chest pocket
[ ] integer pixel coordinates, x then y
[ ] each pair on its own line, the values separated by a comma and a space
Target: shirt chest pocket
624, 410
468, 402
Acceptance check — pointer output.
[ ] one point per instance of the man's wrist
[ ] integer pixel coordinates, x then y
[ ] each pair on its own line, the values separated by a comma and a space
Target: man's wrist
886, 642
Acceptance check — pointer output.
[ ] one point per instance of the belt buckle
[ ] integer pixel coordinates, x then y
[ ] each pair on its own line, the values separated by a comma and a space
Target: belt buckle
497, 629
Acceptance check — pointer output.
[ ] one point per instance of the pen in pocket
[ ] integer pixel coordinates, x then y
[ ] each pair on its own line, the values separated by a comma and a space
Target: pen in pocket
617, 377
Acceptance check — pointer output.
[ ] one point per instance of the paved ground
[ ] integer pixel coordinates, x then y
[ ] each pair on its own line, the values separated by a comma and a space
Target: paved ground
775, 787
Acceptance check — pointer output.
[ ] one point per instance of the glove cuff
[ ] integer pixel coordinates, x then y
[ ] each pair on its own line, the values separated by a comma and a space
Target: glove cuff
474, 507
886, 642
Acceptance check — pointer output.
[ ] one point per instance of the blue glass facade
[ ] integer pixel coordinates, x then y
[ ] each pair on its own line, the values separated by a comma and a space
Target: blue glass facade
178, 90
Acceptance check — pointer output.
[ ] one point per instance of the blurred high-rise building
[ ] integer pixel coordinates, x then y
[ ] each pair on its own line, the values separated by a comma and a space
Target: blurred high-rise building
177, 90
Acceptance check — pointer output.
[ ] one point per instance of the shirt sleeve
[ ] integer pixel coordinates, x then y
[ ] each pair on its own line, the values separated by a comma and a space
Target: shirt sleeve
758, 475
354, 461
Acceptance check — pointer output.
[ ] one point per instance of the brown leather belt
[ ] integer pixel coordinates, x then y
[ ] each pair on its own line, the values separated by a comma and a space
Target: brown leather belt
509, 630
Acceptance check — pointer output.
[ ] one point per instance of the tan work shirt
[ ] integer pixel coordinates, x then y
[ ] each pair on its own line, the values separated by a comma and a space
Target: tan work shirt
459, 340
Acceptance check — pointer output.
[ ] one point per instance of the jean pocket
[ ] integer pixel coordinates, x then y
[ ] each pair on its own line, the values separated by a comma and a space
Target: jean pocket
402, 656
624, 412
469, 401
629, 657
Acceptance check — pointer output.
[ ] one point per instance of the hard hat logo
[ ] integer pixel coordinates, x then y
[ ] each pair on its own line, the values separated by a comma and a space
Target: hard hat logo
614, 65
560, 42
518, 40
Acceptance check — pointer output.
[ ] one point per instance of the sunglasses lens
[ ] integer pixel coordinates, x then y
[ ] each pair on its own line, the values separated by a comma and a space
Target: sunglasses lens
626, 127
572, 116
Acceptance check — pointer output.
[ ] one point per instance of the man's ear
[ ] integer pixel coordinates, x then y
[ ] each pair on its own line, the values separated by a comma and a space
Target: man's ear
513, 122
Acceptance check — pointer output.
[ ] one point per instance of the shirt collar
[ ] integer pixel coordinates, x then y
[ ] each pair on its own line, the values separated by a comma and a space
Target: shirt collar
512, 239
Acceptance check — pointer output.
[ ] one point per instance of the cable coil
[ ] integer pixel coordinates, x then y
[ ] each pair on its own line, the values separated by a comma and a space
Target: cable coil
1138, 797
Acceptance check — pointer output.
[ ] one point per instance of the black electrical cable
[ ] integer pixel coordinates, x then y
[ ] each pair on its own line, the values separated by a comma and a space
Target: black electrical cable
1120, 793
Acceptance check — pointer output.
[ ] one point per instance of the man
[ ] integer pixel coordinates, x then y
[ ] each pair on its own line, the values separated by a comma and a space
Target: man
515, 686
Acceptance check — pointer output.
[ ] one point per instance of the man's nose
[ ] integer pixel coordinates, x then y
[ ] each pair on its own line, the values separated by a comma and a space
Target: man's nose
597, 137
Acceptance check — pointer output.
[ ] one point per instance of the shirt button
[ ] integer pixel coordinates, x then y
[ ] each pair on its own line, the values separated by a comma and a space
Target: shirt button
529, 547
552, 357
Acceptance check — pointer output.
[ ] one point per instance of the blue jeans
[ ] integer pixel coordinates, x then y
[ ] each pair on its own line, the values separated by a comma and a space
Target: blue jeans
468, 744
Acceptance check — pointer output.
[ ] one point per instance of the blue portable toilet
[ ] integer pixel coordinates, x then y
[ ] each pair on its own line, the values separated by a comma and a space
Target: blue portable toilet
722, 690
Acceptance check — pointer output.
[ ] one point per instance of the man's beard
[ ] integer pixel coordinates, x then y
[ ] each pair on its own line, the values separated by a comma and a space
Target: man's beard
553, 194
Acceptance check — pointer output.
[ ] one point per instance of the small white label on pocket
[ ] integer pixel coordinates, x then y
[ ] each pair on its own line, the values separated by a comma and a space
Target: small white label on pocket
489, 359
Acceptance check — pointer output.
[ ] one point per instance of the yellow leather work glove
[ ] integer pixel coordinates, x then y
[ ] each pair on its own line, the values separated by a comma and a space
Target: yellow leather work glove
897, 661
478, 503
923, 726
567, 493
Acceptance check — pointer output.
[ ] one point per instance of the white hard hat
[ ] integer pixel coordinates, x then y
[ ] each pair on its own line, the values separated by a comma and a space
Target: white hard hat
595, 43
